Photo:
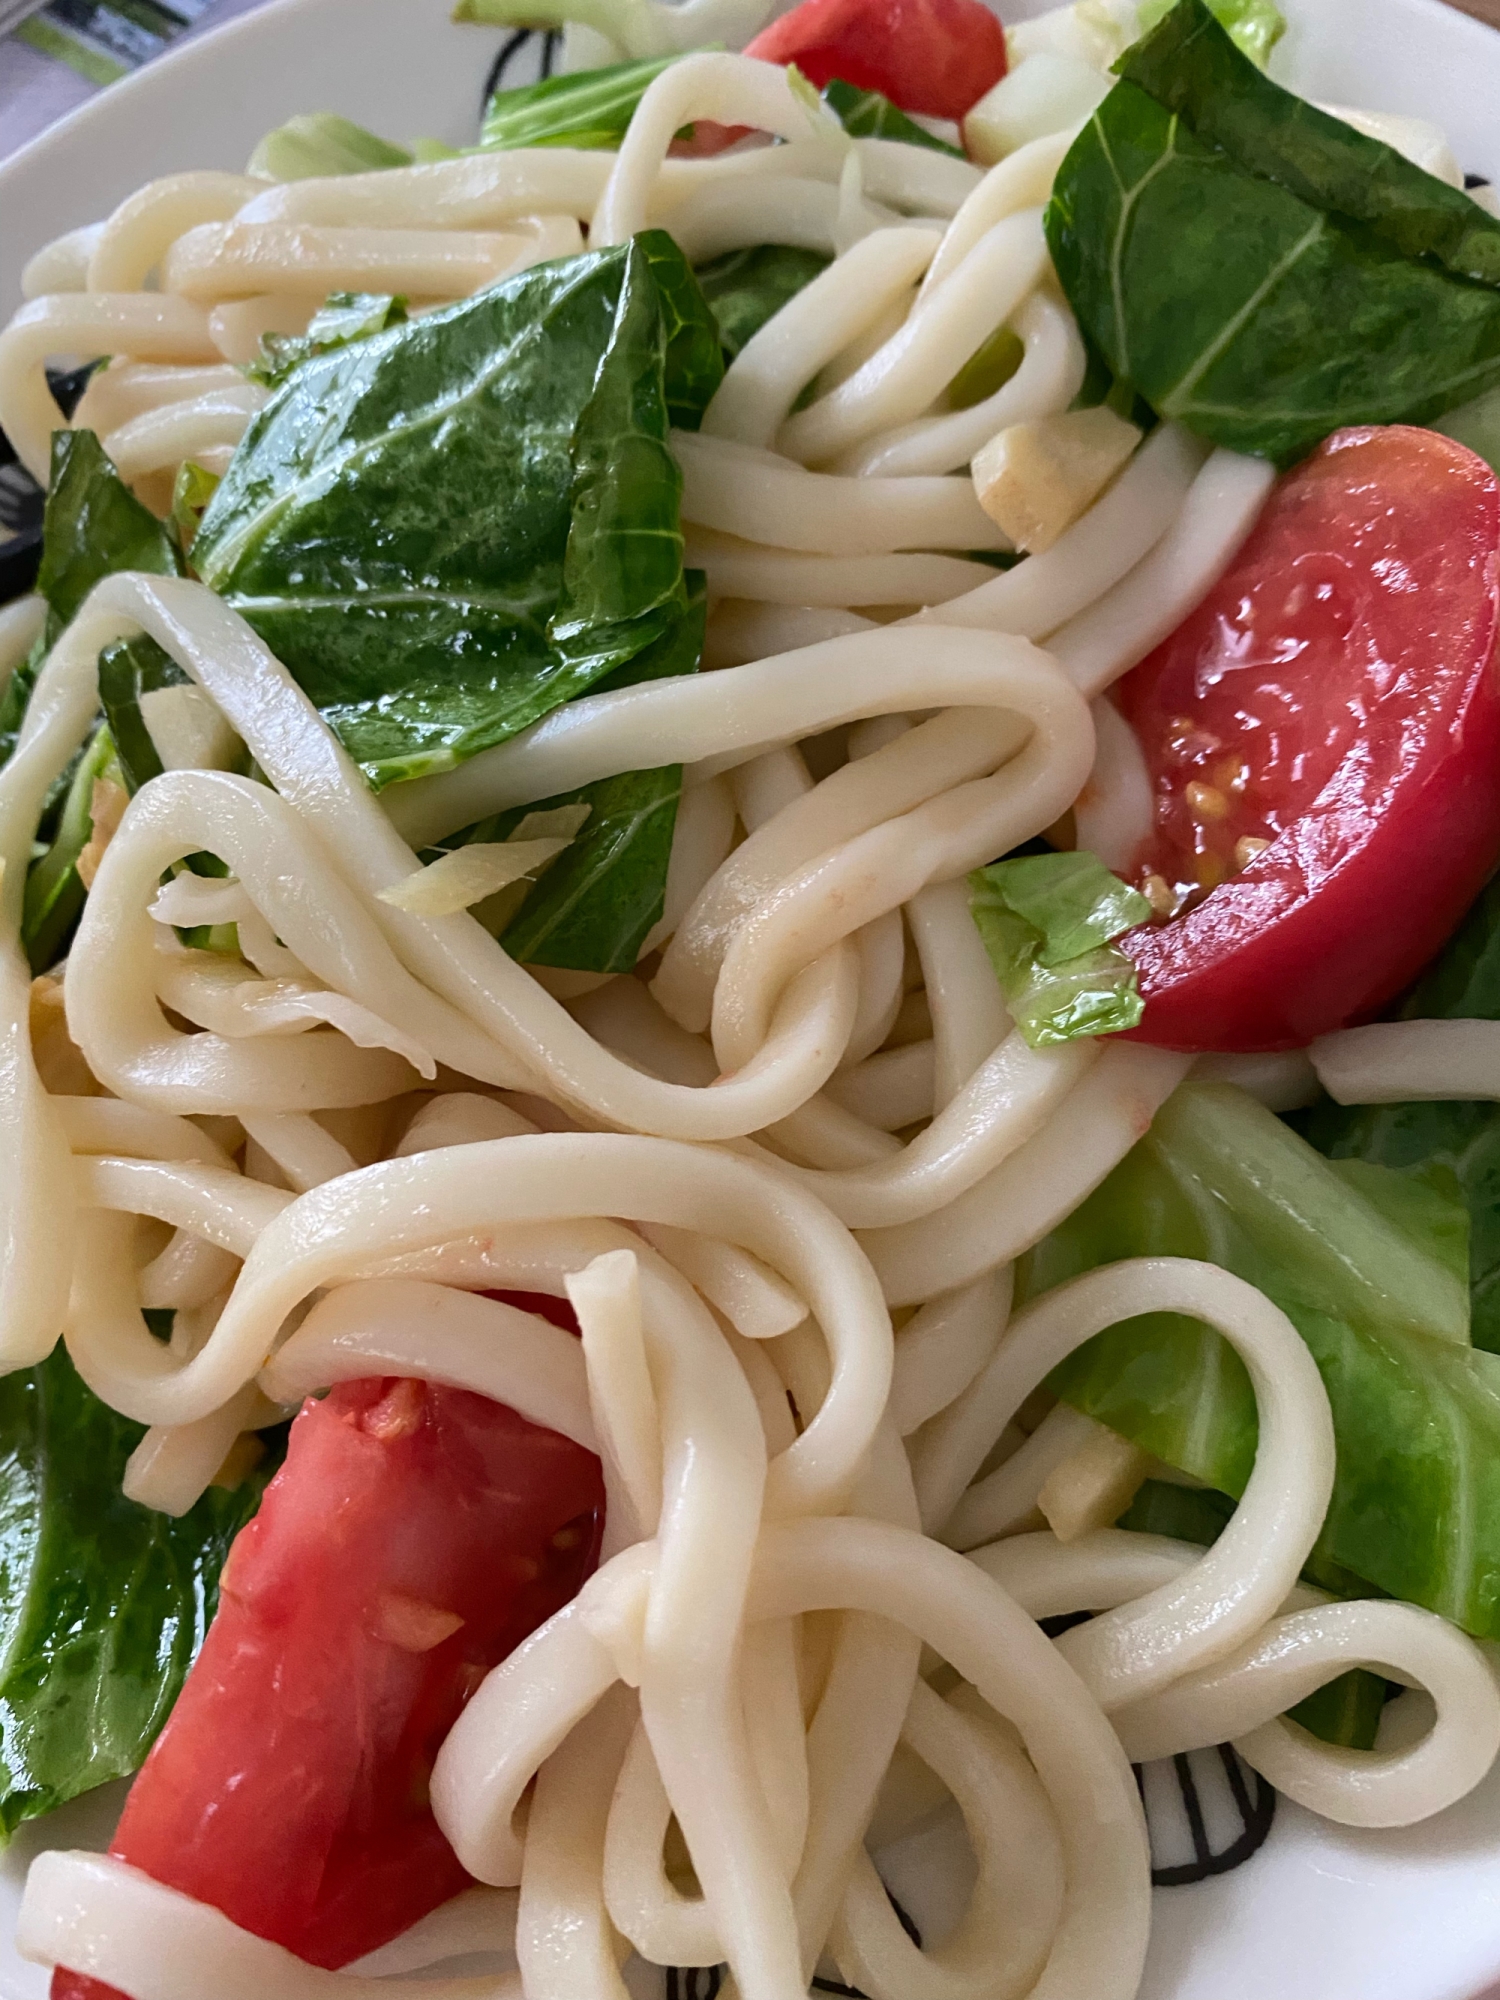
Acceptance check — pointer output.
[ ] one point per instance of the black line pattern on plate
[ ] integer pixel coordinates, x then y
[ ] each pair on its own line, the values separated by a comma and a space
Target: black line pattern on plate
694, 1982
1243, 1797
510, 48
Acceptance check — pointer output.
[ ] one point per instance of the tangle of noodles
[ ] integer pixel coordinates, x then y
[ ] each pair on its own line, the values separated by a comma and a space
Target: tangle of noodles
805, 1108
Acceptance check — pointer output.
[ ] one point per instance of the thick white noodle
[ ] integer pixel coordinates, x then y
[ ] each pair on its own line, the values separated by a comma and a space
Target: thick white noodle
1041, 594
770, 370
146, 325
132, 243
1049, 377
21, 623
735, 90
1114, 813
401, 1326
761, 497
1391, 1061
1022, 180
1244, 1697
1240, 1581
1221, 508
95, 1914
1028, 1194
896, 384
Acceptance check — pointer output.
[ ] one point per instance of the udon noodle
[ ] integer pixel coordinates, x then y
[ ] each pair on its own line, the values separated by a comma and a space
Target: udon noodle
807, 1108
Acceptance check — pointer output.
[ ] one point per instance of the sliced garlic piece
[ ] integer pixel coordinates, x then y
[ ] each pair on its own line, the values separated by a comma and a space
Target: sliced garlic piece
473, 874
1094, 1485
1035, 479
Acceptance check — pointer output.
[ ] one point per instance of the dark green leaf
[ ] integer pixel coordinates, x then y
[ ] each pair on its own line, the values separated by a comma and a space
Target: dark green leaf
595, 904
1346, 1710
594, 907
344, 317
1193, 70
103, 1604
94, 525
127, 670
619, 454
694, 362
589, 108
321, 142
1416, 1501
1361, 290
54, 889
1461, 1139
513, 449
1046, 921
865, 114
1183, 1513
745, 288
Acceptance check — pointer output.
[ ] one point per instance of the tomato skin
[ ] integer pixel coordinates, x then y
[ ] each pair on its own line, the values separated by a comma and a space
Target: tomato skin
936, 57
1368, 714
289, 1788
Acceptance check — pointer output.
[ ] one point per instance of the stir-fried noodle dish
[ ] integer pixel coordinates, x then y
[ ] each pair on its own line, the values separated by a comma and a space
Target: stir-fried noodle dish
751, 1081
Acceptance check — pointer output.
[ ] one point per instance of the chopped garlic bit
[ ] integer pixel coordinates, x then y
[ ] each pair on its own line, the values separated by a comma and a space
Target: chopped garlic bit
1160, 894
559, 823
106, 810
188, 730
470, 875
1034, 480
1094, 1485
473, 874
59, 1061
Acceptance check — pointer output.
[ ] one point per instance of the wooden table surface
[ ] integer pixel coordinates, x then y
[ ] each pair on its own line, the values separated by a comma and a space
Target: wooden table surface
1483, 10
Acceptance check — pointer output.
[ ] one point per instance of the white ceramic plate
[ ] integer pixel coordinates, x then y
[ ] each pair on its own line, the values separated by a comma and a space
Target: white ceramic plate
1318, 1913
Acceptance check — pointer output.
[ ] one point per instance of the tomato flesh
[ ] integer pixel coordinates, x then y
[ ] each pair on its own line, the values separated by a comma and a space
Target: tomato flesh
936, 57
415, 1535
1323, 739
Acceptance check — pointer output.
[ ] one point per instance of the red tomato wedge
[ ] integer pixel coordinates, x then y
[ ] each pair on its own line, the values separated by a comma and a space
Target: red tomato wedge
415, 1535
937, 57
1323, 739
